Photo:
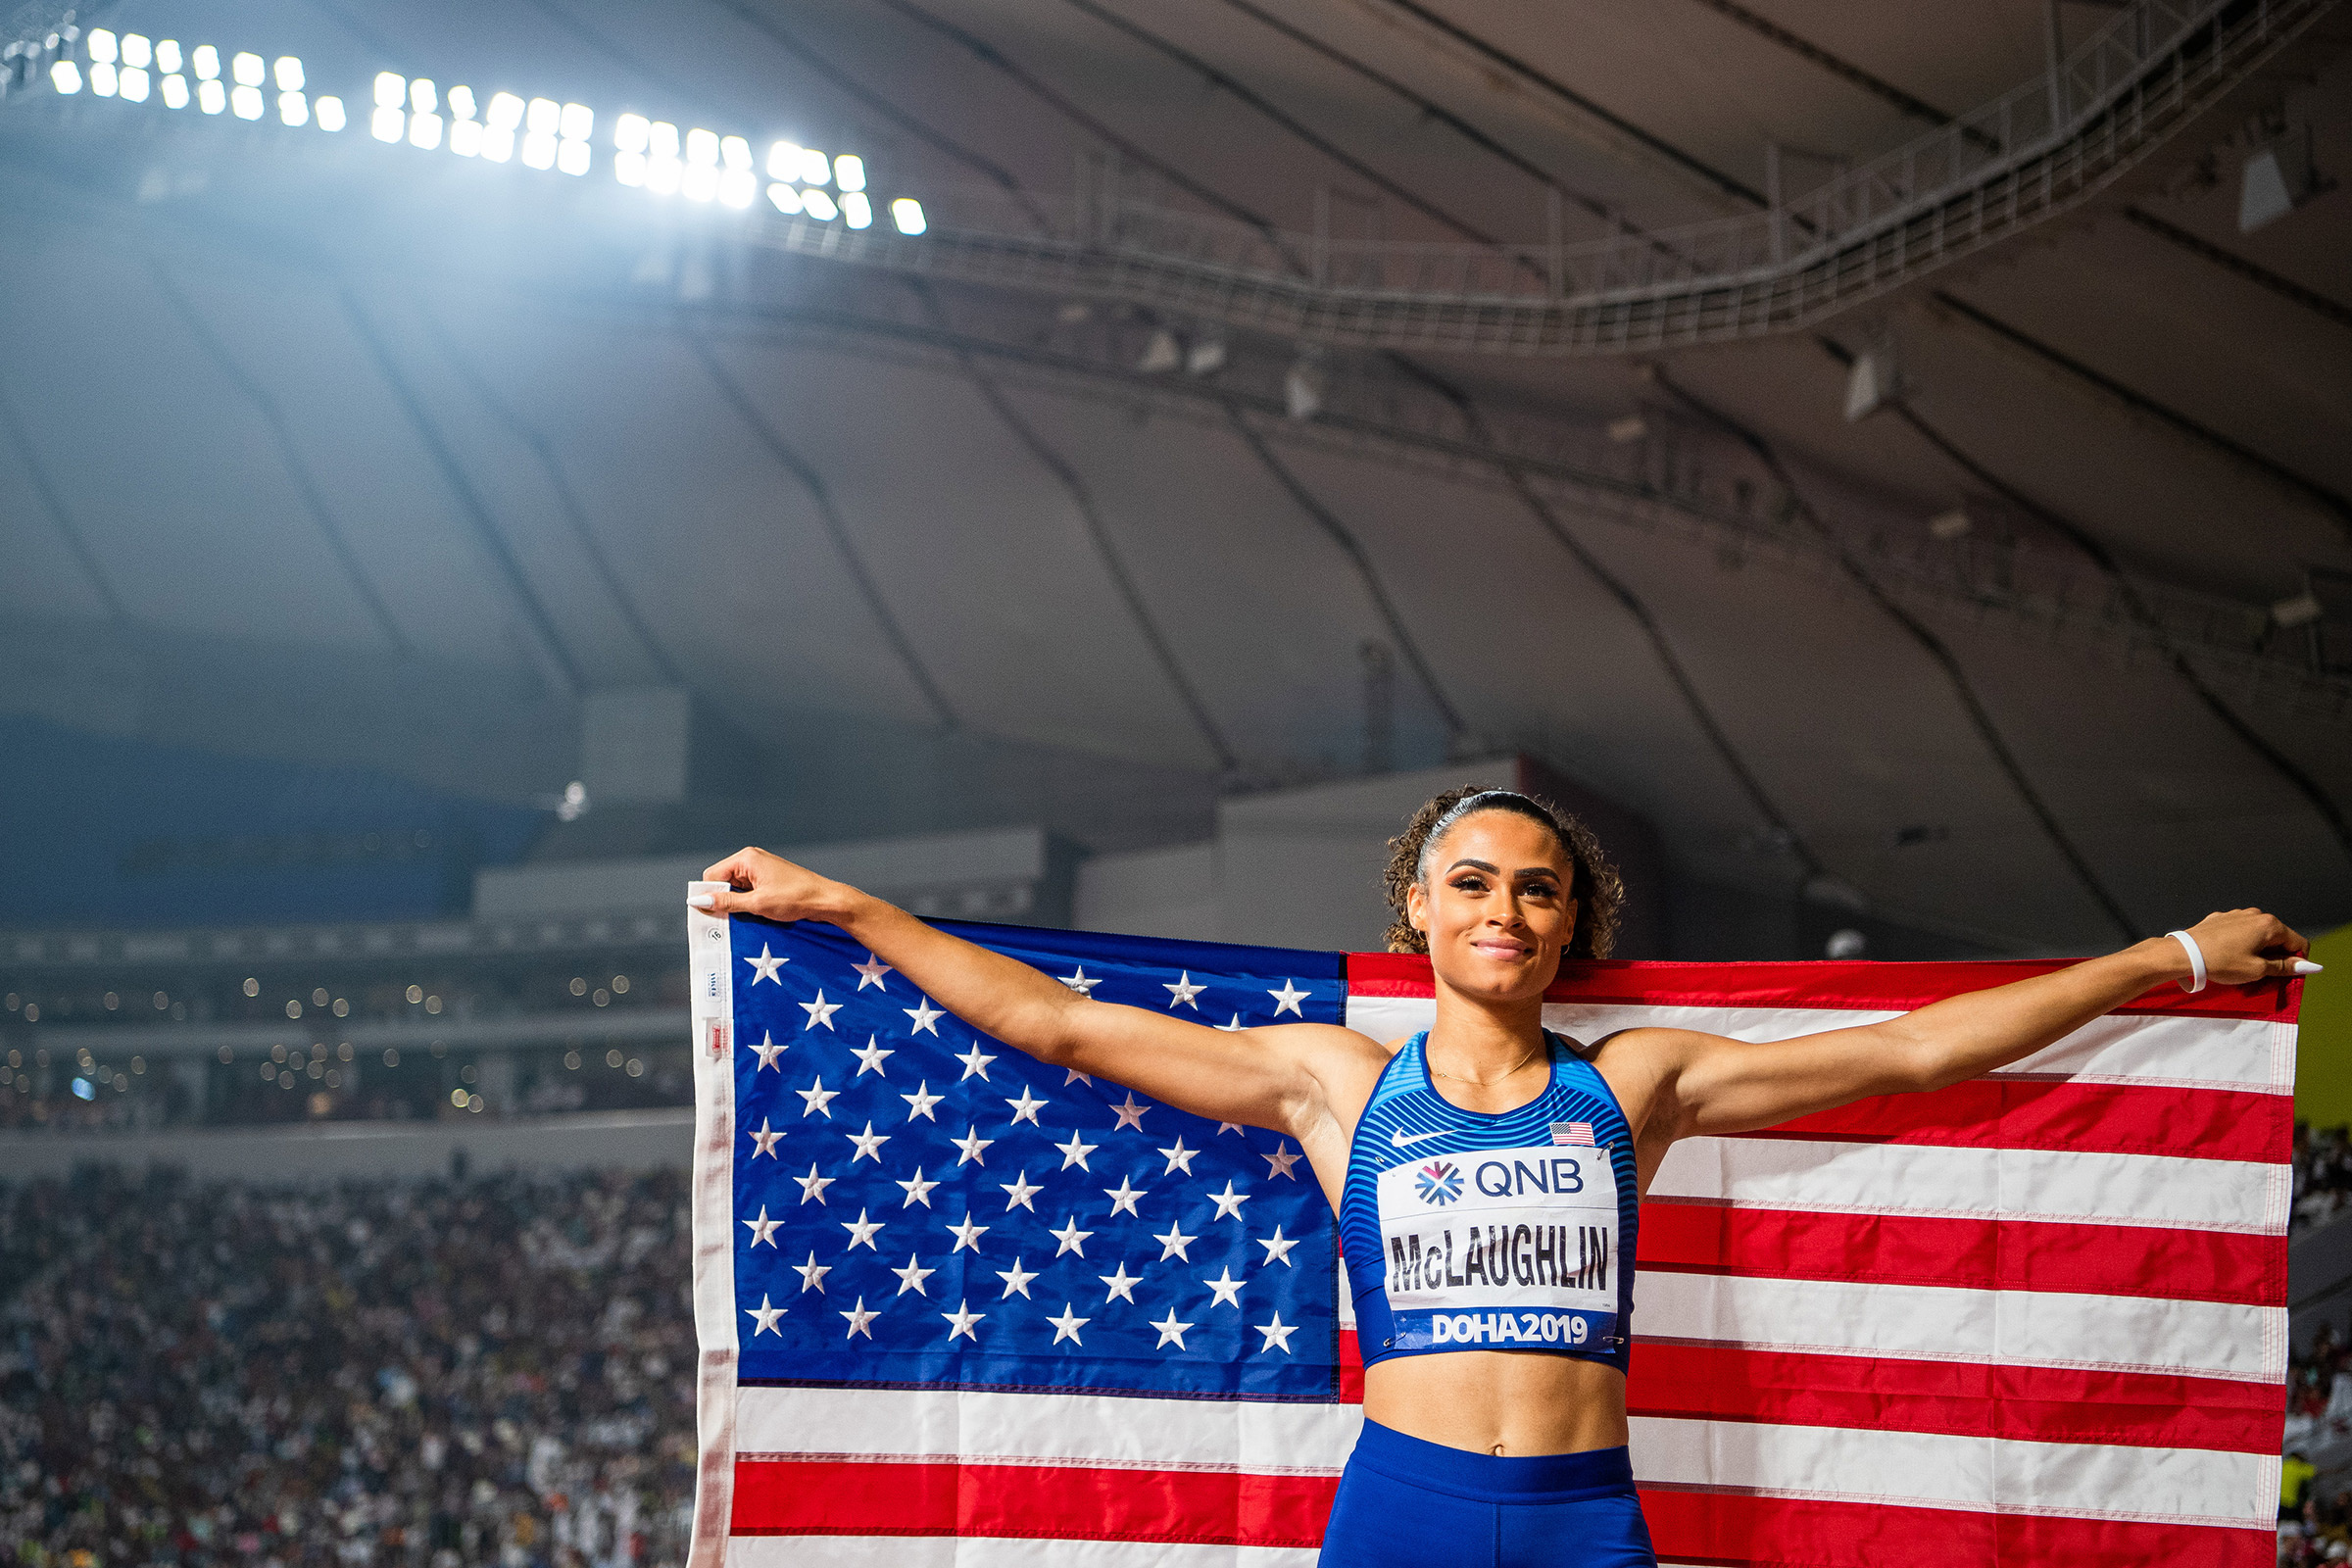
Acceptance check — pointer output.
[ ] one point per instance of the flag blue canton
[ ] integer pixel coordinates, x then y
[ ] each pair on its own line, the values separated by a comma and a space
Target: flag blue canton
919, 1205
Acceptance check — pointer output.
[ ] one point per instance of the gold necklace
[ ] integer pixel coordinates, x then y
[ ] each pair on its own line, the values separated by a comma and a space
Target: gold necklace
1483, 1083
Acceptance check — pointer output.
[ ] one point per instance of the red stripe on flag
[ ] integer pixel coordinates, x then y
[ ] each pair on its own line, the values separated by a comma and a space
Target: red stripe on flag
2081, 1118
1066, 1502
1858, 985
1981, 1254
1739, 1529
2035, 1404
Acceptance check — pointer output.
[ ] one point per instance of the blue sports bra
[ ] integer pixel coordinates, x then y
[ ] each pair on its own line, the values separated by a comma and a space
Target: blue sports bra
1468, 1231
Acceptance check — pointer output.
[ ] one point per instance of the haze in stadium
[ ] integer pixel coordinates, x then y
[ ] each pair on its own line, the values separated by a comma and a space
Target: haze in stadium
1086, 474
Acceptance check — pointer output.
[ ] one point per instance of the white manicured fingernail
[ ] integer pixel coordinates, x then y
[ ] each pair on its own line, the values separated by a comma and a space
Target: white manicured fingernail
700, 901
2306, 966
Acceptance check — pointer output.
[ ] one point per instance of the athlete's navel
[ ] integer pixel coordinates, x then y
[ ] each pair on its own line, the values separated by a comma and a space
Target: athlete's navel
1499, 1451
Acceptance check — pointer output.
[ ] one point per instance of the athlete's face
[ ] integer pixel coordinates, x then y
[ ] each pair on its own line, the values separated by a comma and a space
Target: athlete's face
1496, 906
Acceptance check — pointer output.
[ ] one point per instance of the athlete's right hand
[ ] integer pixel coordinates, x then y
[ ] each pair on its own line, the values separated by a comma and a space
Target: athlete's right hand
770, 885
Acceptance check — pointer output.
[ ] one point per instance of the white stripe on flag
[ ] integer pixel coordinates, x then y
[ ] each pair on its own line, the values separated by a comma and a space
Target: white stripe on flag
2021, 1184
1262, 1438
2244, 1054
982, 1552
1936, 1323
2081, 1480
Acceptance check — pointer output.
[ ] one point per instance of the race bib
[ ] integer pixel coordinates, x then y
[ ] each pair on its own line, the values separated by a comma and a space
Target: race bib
1508, 1247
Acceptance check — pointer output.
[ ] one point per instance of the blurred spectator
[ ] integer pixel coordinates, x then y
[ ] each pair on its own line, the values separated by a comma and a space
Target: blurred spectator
430, 1374
2322, 1174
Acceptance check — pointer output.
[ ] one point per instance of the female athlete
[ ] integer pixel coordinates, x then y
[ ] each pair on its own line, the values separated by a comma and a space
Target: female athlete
1496, 1437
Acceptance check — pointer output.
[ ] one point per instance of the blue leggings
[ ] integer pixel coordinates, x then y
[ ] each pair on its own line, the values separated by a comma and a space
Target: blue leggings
1407, 1503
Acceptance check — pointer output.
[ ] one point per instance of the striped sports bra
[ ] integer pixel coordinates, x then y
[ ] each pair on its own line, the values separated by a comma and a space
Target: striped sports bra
1469, 1230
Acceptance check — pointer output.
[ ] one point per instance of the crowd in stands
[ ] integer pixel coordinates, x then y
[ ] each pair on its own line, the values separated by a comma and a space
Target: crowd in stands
428, 1374
2322, 1174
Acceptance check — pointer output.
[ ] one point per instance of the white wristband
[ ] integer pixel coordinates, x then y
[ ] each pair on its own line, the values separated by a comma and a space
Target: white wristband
2196, 959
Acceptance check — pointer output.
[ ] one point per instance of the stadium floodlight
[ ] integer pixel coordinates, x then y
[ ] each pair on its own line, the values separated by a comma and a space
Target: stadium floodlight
425, 131
207, 62
543, 116
735, 153
571, 157
662, 139
387, 125
210, 96
849, 171
245, 102
815, 167
466, 138
329, 111
737, 186
817, 204
577, 123
538, 150
632, 133
174, 89
102, 79
460, 102
662, 175
786, 199
168, 56
423, 97
293, 109
856, 210
701, 146
391, 90
908, 214
133, 85
498, 144
700, 182
137, 51
505, 112
104, 47
248, 70
288, 73
630, 168
66, 77
784, 161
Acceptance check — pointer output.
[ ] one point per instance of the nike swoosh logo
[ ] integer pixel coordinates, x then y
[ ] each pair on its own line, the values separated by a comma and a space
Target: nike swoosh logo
1401, 1140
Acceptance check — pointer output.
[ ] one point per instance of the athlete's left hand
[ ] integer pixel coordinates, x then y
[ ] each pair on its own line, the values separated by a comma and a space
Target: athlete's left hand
2243, 946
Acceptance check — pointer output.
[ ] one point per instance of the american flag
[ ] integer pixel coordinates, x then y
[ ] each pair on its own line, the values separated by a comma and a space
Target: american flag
958, 1309
1577, 1133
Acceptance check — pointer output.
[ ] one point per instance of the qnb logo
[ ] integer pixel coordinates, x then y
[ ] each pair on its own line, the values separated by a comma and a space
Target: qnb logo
1438, 1183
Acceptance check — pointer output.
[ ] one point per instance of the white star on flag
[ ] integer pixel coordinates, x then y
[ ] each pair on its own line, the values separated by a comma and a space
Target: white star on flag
918, 1191
766, 1138
819, 1011
813, 1273
1018, 1192
1287, 999
919, 1102
812, 1186
870, 972
926, 1017
1184, 991
1015, 1278
1180, 1157
1279, 1163
961, 1321
766, 966
1233, 1028
971, 1142
1170, 1331
1173, 1242
1225, 1290
869, 1145
1278, 1335
1122, 1285
767, 1051
1278, 1248
1233, 1127
975, 1062
861, 1232
1130, 1114
1079, 982
1071, 1075
1074, 1152
766, 1314
870, 1060
1066, 1326
1071, 1237
912, 1277
817, 1096
1229, 1203
1026, 1108
966, 1234
1123, 1197
859, 1318
762, 1229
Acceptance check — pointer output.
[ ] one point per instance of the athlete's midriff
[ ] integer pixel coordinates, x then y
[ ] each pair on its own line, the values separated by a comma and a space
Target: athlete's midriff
1515, 1402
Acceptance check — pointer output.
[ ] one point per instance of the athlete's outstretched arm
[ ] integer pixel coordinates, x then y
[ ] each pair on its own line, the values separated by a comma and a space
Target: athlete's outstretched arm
1712, 1085
1261, 1077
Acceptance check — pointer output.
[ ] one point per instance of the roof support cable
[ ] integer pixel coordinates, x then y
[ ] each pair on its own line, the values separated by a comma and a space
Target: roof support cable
2128, 593
1082, 500
545, 639
1457, 732
2286, 288
297, 471
565, 498
1934, 645
54, 503
830, 518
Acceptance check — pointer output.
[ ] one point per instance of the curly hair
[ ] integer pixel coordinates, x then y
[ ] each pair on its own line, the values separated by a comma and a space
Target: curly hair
1594, 885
